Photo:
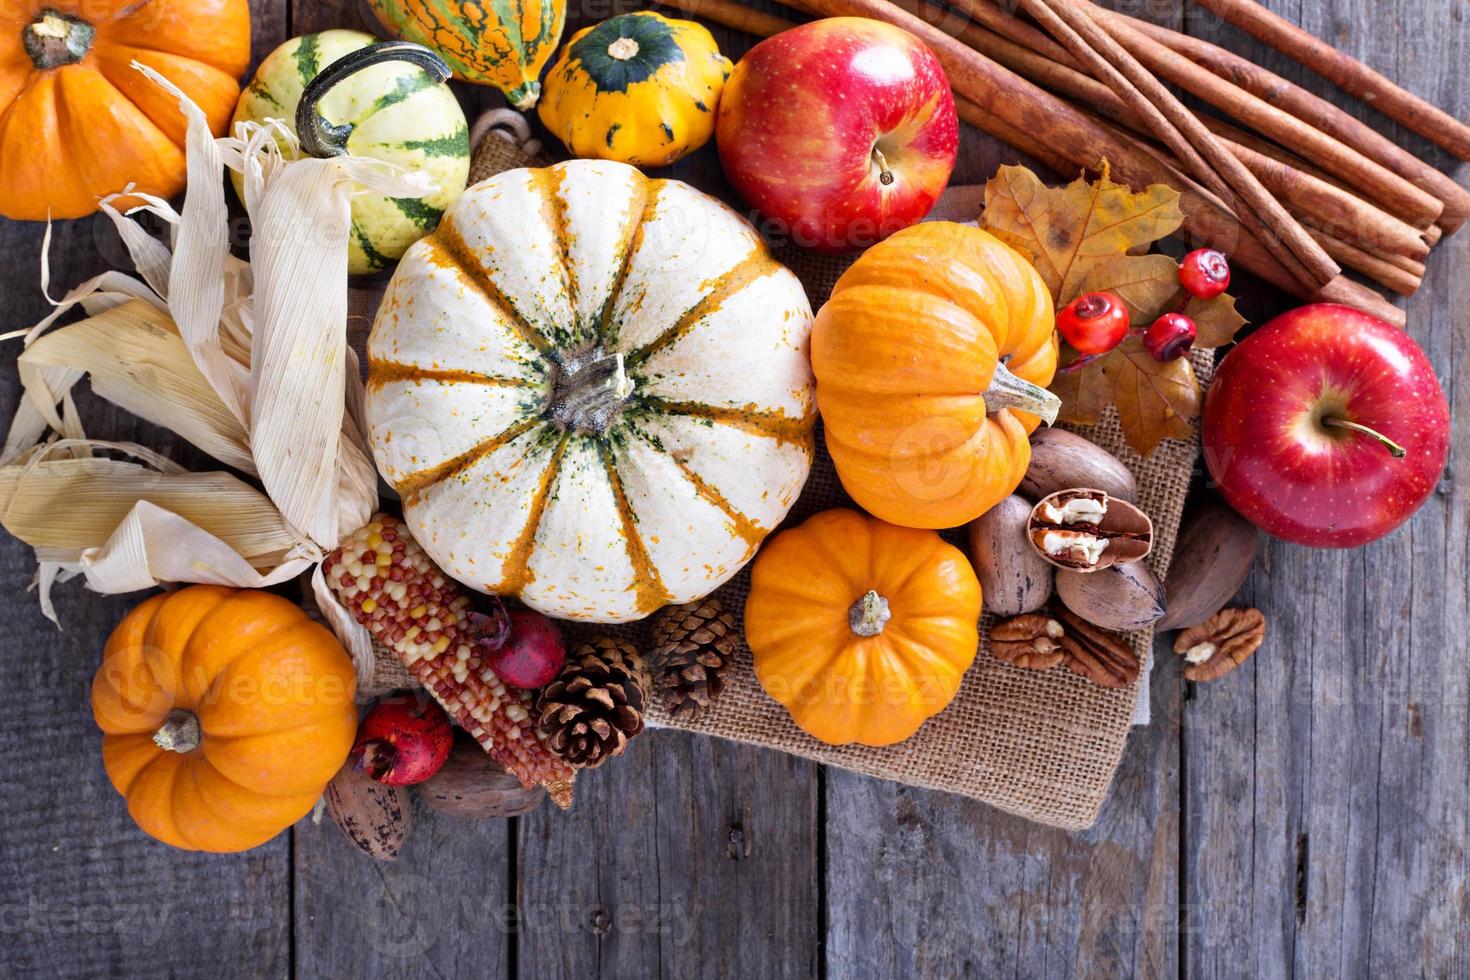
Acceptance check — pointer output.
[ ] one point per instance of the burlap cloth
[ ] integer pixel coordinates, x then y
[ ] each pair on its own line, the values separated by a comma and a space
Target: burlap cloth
1042, 745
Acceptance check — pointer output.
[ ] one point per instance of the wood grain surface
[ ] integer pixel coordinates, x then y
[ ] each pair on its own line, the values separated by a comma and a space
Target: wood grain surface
1306, 816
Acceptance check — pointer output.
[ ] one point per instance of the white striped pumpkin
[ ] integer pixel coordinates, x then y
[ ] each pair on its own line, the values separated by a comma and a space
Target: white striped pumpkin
592, 390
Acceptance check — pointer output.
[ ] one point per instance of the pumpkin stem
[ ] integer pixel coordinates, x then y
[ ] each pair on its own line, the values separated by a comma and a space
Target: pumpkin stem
1007, 391
622, 49
320, 138
589, 390
54, 39
179, 732
1394, 449
869, 615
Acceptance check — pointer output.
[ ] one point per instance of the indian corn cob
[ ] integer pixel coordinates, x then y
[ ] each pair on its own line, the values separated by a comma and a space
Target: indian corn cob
390, 585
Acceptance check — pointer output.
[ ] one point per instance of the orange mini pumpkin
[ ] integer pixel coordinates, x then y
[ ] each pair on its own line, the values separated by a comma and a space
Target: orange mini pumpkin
224, 713
931, 360
860, 628
78, 122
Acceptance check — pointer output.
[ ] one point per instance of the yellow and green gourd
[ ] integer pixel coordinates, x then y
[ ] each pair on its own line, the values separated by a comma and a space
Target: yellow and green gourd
638, 88
384, 100
504, 43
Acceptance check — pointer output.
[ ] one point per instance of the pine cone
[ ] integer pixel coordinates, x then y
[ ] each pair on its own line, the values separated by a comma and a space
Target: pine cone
693, 646
595, 705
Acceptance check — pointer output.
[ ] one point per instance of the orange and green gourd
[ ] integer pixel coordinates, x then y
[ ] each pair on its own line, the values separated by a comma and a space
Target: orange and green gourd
504, 43
639, 89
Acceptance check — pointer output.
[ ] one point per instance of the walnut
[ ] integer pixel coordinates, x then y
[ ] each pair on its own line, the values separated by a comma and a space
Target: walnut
1221, 643
1031, 641
1039, 641
1102, 656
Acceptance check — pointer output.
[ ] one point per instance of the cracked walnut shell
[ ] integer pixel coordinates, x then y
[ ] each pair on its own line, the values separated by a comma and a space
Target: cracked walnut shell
1221, 643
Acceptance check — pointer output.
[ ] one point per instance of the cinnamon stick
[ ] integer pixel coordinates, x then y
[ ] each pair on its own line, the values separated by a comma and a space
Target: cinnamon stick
1399, 280
1305, 196
1369, 179
734, 15
1347, 73
1063, 138
1316, 111
1187, 138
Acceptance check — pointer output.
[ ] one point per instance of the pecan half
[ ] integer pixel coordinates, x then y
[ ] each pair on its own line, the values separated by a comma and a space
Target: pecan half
1086, 530
1103, 657
1032, 641
1221, 643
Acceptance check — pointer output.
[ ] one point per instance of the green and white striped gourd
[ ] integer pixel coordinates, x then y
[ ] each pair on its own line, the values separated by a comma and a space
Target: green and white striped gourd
394, 111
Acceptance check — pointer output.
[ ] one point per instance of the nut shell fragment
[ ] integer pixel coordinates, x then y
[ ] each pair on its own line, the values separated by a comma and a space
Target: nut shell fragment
1086, 530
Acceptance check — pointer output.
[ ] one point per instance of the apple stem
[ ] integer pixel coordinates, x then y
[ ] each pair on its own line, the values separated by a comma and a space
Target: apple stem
1008, 391
885, 177
1397, 451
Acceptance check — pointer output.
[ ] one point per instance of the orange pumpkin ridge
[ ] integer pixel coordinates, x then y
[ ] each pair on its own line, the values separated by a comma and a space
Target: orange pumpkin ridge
78, 122
931, 357
224, 713
861, 629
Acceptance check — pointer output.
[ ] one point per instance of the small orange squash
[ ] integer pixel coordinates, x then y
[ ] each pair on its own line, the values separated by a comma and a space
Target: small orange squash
860, 628
78, 122
224, 714
931, 360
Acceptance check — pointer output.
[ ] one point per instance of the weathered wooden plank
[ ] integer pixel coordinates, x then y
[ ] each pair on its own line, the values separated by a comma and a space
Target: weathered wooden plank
1324, 787
442, 909
83, 892
686, 857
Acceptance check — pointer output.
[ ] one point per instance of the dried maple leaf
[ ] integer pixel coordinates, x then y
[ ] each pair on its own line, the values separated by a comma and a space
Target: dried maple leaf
1067, 229
1084, 392
1156, 400
1094, 236
1215, 319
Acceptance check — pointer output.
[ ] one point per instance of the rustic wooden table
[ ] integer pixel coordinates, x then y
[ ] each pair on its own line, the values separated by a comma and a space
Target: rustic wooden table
1306, 816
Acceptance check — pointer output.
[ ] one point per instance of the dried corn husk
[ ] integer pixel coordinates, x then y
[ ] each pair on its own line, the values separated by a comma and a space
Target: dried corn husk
247, 361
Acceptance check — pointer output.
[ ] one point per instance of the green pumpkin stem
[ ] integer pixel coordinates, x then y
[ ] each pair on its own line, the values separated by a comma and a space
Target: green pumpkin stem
320, 138
1007, 391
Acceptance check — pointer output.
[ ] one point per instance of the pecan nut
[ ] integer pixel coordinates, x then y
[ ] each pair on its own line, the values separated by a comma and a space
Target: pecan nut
1102, 656
1086, 530
1221, 643
1032, 641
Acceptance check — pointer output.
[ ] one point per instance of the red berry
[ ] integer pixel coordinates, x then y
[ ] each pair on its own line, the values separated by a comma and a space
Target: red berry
1170, 336
533, 653
1204, 273
403, 740
1093, 323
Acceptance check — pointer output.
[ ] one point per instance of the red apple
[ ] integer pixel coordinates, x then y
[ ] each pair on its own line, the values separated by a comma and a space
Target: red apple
841, 131
1326, 427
